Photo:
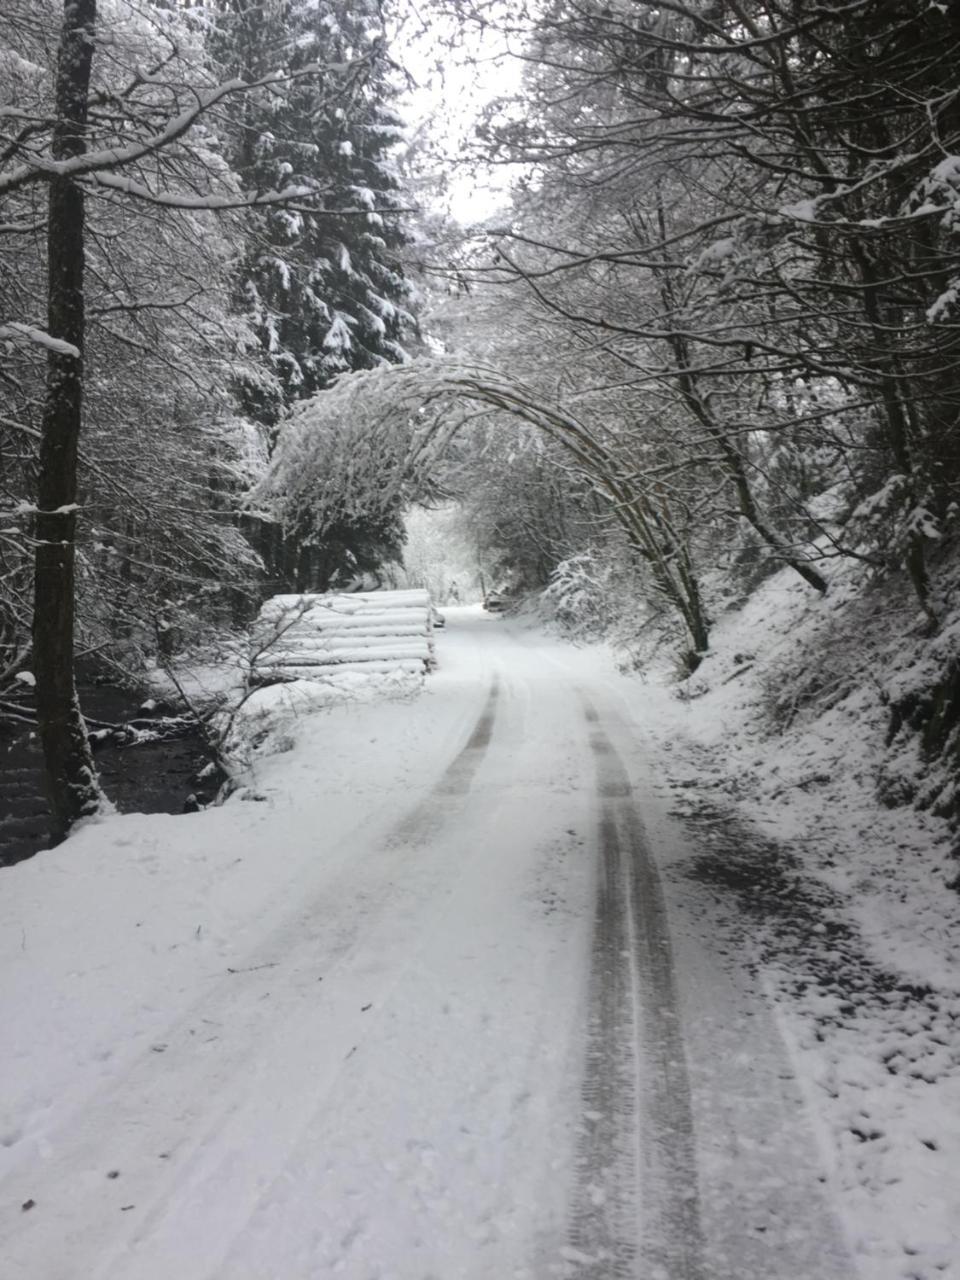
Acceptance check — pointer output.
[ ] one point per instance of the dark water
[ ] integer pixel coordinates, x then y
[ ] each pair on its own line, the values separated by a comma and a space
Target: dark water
151, 777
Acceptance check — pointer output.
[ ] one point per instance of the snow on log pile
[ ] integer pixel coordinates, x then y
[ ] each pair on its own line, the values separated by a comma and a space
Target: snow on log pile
313, 636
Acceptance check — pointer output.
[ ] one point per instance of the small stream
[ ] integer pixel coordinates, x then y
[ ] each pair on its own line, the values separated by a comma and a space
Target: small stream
149, 777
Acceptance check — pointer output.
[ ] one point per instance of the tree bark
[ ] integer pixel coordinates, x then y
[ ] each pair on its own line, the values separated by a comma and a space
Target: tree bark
70, 775
734, 462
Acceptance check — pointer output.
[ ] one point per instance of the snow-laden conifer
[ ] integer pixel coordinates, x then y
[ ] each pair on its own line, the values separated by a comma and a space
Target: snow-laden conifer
322, 285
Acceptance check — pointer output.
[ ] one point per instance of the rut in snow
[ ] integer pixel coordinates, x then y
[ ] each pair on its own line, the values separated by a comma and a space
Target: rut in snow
636, 1209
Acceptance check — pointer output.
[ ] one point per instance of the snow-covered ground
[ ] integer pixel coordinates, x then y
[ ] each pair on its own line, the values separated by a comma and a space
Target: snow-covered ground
445, 990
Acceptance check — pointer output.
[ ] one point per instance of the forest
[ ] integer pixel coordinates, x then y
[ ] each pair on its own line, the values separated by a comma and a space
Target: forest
711, 333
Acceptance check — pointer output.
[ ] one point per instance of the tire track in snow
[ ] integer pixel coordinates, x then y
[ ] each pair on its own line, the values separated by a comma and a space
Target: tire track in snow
636, 1209
455, 781
459, 774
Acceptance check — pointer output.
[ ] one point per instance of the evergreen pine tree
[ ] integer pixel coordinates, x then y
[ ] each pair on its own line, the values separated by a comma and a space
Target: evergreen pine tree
322, 283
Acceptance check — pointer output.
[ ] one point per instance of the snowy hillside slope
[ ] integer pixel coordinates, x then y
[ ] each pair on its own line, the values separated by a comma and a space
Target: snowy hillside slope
782, 755
792, 711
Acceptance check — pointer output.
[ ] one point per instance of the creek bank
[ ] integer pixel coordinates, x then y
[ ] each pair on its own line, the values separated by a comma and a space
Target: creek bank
139, 772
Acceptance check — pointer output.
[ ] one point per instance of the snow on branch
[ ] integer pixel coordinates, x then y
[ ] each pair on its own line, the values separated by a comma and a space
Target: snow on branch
218, 203
41, 169
361, 445
16, 331
367, 442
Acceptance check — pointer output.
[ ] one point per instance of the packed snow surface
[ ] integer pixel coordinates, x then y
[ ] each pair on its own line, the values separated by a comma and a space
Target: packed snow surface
434, 994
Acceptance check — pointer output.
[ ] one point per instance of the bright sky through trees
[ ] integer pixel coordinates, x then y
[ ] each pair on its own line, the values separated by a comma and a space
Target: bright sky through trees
457, 72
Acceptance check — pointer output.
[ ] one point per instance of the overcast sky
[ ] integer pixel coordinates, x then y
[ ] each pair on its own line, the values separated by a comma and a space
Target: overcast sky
457, 75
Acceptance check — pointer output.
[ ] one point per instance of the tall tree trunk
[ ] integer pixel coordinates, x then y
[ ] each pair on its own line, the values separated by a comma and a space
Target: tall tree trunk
896, 423
70, 775
733, 460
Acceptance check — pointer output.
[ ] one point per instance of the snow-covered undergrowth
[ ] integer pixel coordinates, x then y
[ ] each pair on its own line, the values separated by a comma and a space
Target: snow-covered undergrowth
780, 752
266, 723
251, 710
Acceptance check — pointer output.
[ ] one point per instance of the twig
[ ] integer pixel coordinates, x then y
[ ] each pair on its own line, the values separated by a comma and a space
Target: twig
739, 672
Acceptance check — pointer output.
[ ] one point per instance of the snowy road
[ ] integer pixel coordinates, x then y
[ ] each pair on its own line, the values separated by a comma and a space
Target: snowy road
437, 1005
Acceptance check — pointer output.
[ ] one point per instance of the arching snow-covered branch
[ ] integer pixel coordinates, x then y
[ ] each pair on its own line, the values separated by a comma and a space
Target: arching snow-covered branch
354, 448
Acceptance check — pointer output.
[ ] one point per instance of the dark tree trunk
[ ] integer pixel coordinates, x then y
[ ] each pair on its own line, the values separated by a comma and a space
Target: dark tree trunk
70, 775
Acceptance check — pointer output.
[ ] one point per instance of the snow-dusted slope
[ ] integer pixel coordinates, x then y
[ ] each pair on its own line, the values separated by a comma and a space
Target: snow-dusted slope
772, 753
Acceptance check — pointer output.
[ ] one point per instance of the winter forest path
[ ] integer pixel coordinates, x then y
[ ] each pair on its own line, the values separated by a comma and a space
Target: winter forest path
477, 1032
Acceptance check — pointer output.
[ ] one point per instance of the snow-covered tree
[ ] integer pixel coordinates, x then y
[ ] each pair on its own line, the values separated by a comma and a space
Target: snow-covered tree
329, 507
112, 176
742, 219
323, 286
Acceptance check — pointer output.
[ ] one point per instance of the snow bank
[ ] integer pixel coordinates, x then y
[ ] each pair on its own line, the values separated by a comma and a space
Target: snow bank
774, 750
268, 721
